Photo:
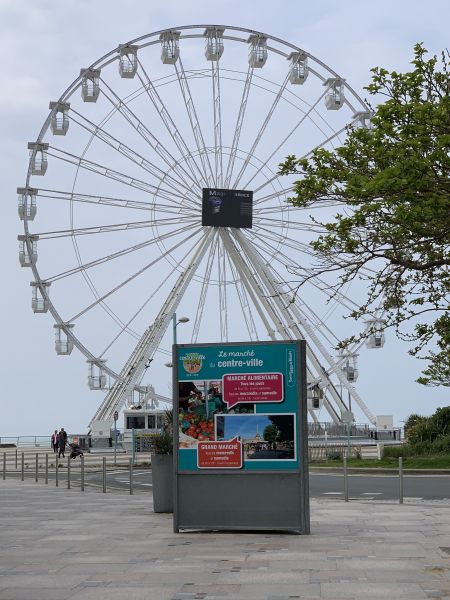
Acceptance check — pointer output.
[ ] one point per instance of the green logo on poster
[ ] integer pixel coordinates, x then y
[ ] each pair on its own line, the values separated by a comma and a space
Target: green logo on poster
192, 362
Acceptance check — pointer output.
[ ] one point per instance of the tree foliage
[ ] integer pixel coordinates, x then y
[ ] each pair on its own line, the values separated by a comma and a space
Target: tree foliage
391, 182
271, 435
428, 429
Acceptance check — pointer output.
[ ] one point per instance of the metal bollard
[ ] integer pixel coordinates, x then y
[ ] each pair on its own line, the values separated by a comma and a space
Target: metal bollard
68, 473
57, 472
82, 474
400, 480
36, 474
104, 474
23, 467
345, 479
4, 466
46, 468
131, 476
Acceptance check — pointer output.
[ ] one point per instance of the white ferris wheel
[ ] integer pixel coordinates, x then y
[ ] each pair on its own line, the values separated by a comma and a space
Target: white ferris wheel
112, 204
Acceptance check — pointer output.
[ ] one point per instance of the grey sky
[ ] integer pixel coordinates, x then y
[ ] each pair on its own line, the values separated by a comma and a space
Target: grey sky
45, 45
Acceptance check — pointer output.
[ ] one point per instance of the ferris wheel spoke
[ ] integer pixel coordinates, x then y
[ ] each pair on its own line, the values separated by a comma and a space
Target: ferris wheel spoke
149, 138
104, 171
273, 195
193, 120
260, 134
323, 143
243, 301
47, 235
330, 138
218, 153
281, 240
238, 128
284, 140
287, 261
320, 324
114, 202
321, 203
283, 224
130, 154
169, 123
205, 287
126, 281
223, 302
126, 325
106, 258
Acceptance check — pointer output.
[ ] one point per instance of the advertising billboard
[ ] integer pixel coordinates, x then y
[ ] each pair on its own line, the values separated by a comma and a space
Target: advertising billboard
240, 410
227, 208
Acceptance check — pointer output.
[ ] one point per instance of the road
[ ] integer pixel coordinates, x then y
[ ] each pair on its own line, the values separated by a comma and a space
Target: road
382, 487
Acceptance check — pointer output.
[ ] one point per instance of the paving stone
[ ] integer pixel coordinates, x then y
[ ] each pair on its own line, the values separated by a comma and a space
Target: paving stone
117, 548
368, 590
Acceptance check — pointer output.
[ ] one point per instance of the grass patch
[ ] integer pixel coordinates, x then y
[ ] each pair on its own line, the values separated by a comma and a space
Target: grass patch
441, 461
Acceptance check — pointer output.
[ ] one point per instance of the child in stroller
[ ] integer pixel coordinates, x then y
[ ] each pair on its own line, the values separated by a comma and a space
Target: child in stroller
75, 450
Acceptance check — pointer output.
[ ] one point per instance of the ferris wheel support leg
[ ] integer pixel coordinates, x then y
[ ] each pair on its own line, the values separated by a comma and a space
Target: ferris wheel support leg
246, 279
277, 291
331, 411
261, 298
135, 366
313, 415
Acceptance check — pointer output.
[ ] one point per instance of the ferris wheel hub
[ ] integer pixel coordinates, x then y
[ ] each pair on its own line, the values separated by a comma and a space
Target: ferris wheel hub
227, 208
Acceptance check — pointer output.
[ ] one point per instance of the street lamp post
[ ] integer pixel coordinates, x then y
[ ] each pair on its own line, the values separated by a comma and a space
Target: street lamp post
175, 323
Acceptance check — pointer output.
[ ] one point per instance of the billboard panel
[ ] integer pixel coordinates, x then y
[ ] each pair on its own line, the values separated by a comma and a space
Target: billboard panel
240, 412
227, 208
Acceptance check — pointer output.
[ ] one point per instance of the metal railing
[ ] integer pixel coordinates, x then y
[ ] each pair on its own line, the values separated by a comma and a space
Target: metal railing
46, 468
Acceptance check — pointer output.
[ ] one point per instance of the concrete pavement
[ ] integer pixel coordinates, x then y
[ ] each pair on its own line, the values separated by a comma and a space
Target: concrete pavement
56, 544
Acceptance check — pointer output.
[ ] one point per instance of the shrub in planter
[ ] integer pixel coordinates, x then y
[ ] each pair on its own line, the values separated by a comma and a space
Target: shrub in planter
162, 467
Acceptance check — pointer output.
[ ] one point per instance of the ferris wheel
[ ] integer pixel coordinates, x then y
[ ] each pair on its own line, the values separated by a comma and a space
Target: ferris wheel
127, 200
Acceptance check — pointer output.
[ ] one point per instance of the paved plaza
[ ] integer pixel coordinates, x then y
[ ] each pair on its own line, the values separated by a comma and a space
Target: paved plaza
60, 544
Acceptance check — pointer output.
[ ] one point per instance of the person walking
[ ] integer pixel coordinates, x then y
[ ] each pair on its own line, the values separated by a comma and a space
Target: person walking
54, 441
62, 441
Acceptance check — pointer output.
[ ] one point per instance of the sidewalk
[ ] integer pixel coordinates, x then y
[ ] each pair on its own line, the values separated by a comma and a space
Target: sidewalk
60, 544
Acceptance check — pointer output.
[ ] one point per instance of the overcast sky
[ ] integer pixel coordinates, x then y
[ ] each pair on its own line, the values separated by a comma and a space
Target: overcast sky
45, 43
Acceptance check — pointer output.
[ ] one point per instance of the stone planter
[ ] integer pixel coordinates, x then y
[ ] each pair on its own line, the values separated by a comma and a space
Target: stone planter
162, 475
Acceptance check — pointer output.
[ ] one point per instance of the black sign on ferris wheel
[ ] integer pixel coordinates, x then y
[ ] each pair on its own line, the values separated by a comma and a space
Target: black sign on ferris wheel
227, 208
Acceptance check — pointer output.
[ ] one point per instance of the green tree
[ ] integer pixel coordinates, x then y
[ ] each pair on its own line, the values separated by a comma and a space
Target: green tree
271, 435
412, 421
393, 230
428, 429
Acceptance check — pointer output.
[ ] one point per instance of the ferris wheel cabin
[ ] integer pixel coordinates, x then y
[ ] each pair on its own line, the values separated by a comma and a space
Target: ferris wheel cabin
128, 61
63, 339
214, 43
39, 301
27, 203
298, 69
38, 155
170, 47
59, 122
90, 84
96, 374
28, 250
257, 52
334, 96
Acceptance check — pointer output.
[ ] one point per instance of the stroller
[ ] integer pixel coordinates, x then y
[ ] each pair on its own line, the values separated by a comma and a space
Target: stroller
75, 450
